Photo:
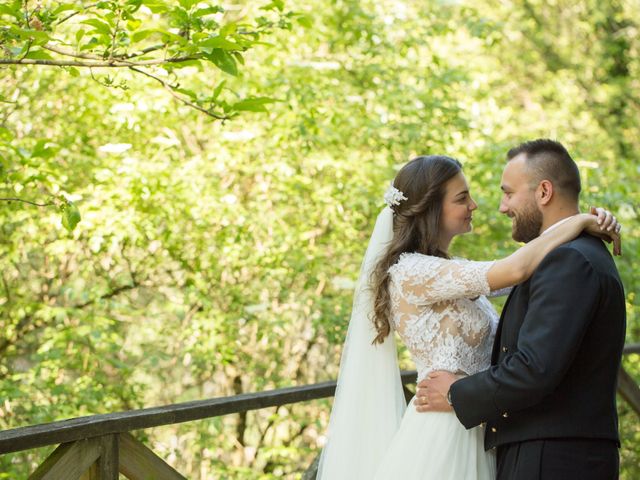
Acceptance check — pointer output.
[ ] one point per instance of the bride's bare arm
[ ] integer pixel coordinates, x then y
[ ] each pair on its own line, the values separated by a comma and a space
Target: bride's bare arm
521, 264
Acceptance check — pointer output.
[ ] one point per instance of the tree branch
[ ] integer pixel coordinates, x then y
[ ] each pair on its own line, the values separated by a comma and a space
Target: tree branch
143, 52
104, 63
120, 58
179, 98
67, 53
112, 293
76, 13
6, 289
20, 329
27, 201
114, 35
25, 325
263, 434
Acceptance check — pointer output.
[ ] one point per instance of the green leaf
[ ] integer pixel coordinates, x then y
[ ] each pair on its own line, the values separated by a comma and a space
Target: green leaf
274, 5
218, 89
15, 12
70, 216
217, 42
239, 57
99, 25
39, 54
179, 16
201, 12
35, 35
156, 6
43, 149
133, 24
224, 61
139, 35
133, 5
168, 36
188, 3
63, 7
6, 134
189, 93
229, 29
254, 104
305, 20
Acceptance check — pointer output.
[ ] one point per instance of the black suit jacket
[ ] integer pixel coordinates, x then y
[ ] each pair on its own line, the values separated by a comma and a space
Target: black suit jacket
556, 354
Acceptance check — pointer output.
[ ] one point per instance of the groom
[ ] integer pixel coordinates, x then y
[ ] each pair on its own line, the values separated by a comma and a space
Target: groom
549, 397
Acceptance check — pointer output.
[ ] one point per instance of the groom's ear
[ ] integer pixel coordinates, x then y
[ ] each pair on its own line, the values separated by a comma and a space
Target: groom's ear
544, 192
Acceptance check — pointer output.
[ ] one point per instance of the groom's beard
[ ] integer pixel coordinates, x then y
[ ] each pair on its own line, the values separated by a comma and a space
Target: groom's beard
526, 224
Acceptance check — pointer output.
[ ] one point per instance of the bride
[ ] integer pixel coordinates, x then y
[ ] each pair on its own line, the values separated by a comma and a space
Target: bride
437, 305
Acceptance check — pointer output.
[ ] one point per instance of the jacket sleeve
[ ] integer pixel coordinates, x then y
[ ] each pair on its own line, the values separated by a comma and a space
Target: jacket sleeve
563, 294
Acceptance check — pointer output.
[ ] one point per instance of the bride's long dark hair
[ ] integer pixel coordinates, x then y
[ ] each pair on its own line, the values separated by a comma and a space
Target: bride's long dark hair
416, 223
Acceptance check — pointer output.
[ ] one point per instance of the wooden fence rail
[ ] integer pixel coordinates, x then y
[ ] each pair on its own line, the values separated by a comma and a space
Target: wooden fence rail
99, 447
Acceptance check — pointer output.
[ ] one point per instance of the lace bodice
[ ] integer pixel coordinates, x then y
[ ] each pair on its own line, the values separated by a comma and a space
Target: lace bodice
439, 309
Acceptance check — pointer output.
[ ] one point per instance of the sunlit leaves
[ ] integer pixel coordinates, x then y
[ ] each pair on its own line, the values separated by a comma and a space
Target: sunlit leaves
255, 104
70, 215
224, 61
125, 35
99, 26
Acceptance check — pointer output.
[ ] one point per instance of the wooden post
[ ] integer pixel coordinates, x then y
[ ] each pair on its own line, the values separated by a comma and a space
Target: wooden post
91, 474
109, 461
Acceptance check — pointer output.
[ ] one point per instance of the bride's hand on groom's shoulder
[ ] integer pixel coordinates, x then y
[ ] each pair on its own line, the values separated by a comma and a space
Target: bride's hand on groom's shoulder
431, 394
606, 227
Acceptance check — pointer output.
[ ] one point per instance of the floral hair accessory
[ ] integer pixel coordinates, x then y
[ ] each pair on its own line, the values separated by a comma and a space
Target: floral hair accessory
393, 196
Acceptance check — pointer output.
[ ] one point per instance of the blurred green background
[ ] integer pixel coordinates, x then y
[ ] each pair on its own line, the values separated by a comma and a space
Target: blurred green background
218, 257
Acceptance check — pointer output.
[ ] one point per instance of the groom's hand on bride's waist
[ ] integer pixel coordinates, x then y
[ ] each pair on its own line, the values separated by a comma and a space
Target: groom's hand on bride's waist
431, 394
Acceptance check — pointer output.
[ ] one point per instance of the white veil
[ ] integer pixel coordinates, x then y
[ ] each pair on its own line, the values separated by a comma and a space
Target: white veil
369, 401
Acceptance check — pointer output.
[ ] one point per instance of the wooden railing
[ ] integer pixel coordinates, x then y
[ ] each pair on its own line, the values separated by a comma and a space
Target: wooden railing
99, 447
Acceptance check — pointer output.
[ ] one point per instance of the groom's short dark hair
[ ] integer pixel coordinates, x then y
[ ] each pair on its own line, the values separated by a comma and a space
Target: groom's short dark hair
549, 160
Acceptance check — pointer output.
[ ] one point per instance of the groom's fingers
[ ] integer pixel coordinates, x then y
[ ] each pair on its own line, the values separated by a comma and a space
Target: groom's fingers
436, 403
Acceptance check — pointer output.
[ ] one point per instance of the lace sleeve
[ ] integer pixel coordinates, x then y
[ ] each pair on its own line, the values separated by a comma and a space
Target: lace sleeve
425, 280
437, 315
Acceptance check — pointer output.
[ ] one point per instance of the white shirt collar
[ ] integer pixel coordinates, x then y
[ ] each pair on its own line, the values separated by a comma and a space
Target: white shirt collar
555, 225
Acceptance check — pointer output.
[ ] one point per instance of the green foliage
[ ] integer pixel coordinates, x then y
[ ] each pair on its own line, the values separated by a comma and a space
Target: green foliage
215, 258
160, 40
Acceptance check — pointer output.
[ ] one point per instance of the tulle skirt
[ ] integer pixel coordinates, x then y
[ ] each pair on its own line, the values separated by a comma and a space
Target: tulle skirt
435, 446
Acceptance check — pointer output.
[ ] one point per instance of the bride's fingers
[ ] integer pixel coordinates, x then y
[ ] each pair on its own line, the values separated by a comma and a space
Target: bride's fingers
605, 217
606, 220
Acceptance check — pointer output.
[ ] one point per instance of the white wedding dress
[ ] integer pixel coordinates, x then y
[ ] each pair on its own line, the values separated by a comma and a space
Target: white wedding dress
440, 312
